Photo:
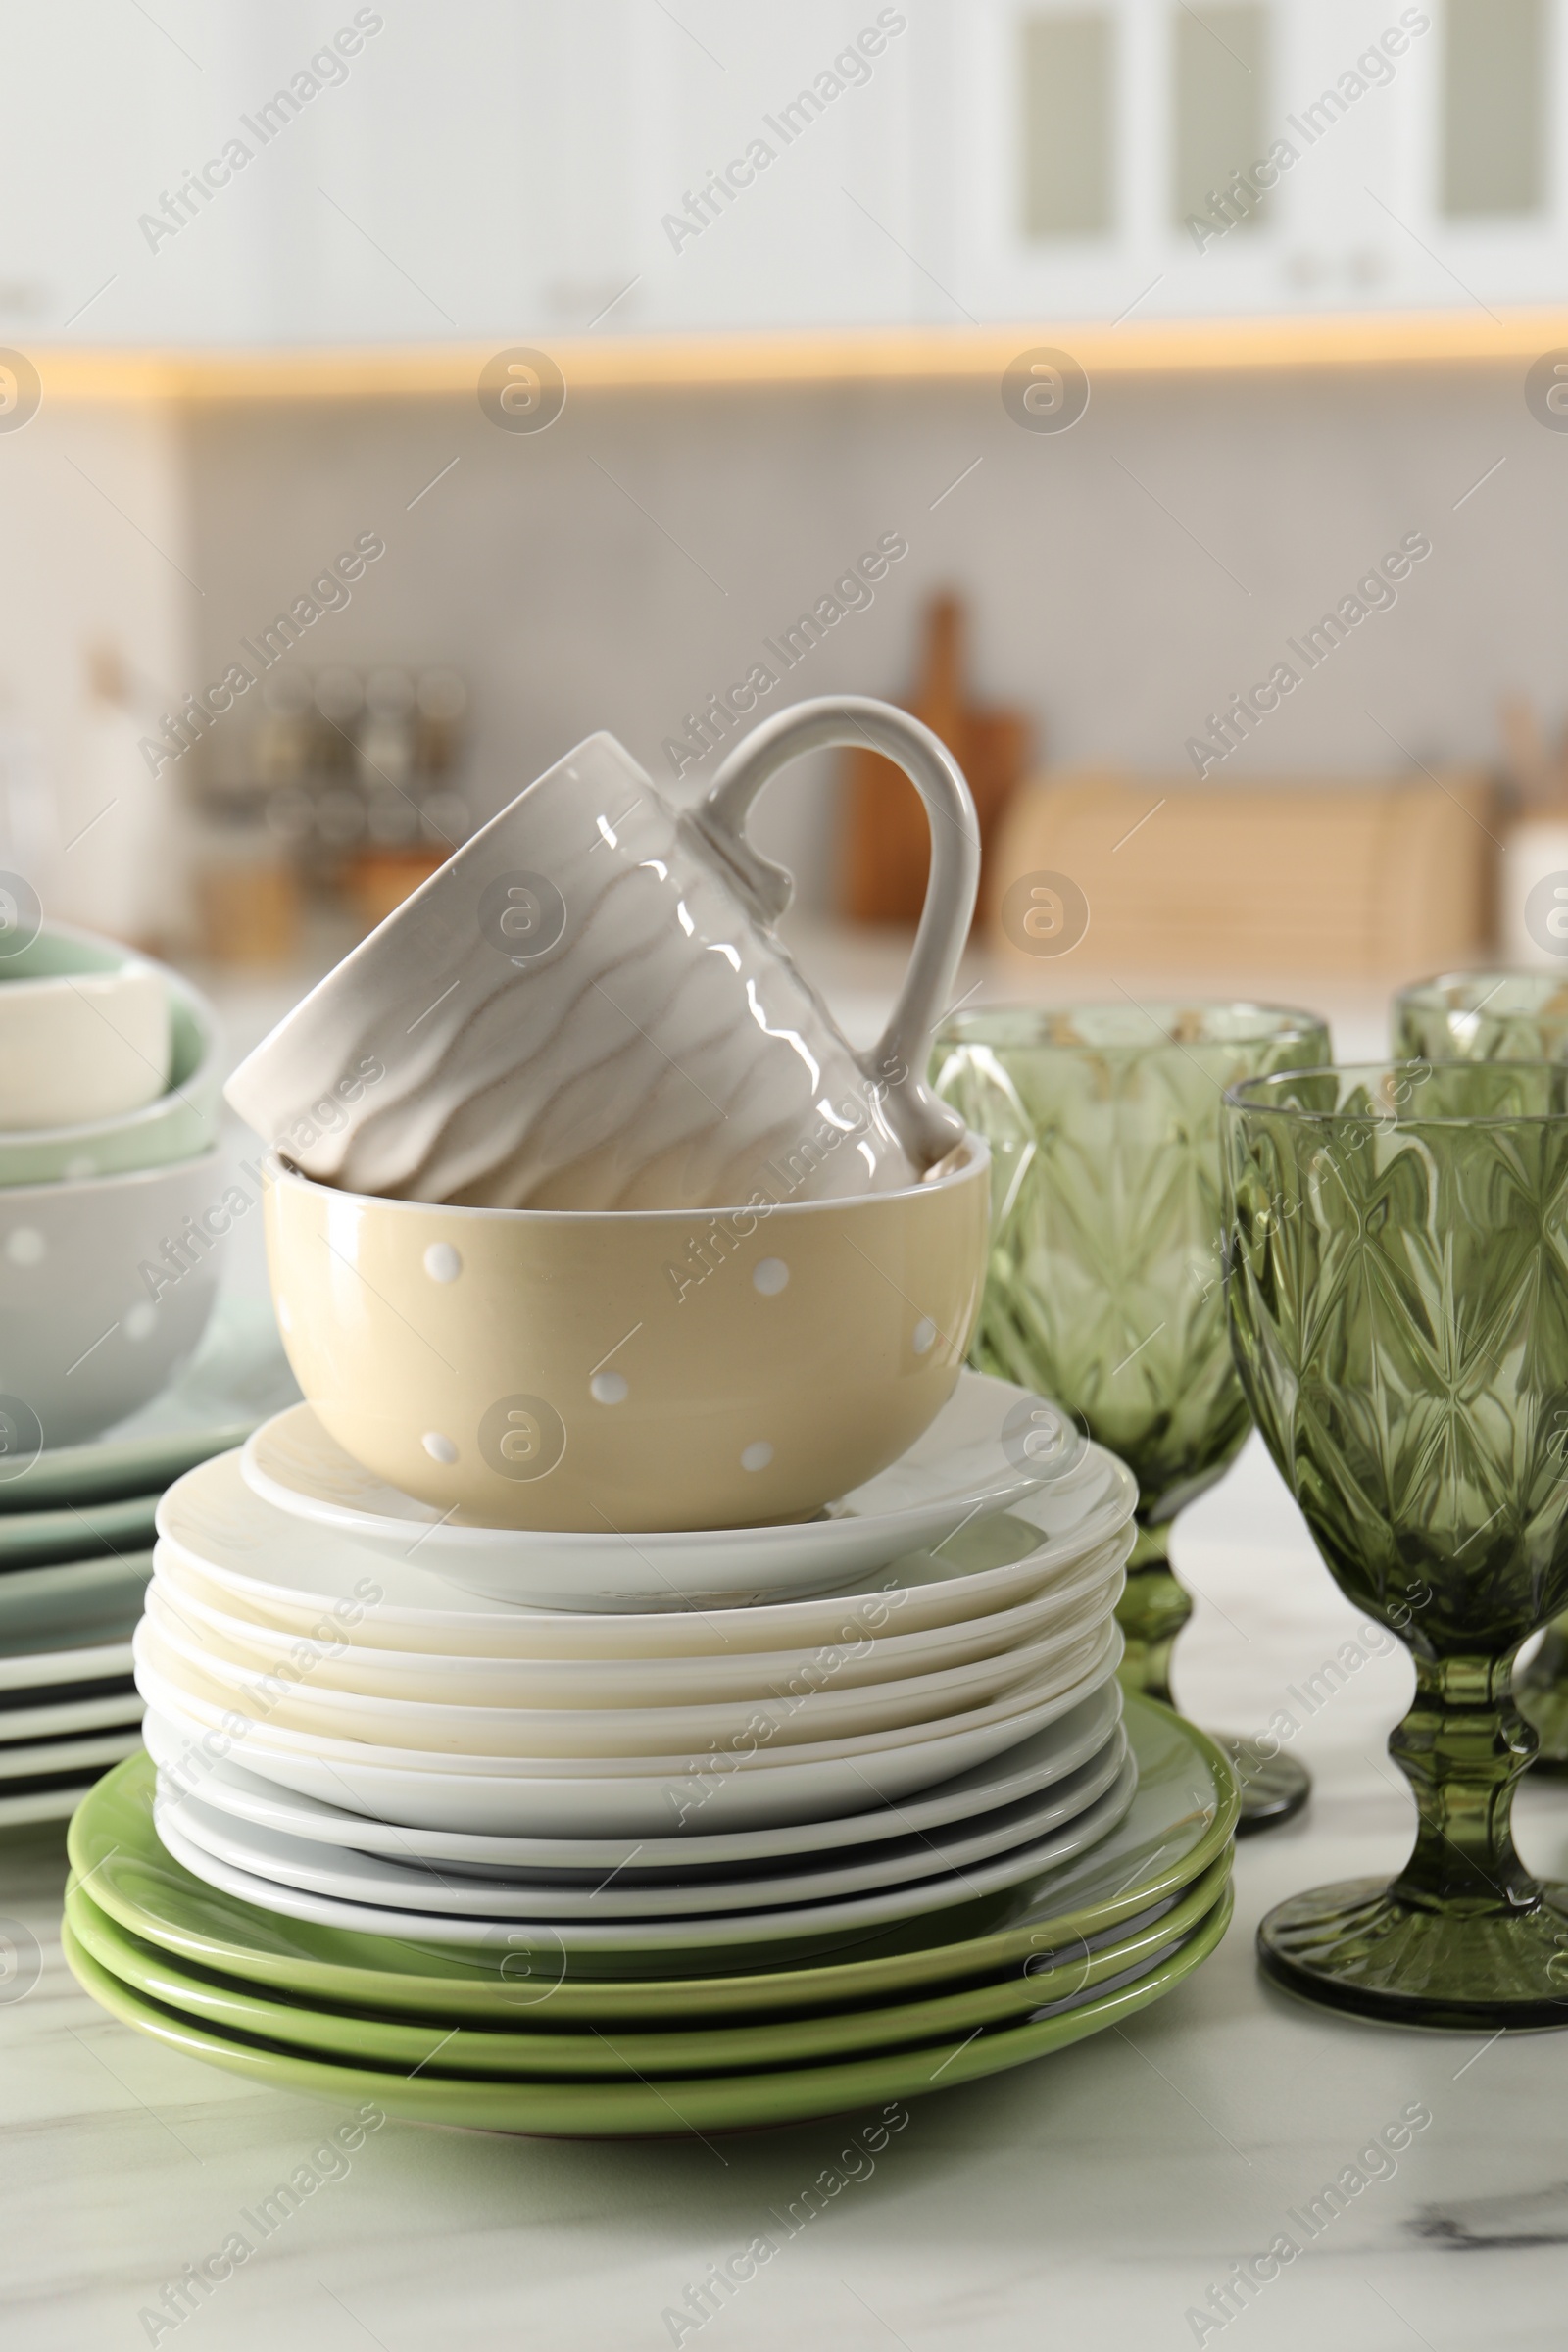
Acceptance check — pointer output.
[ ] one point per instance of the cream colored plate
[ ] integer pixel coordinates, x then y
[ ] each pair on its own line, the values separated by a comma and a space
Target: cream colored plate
568, 1800
788, 1718
847, 1664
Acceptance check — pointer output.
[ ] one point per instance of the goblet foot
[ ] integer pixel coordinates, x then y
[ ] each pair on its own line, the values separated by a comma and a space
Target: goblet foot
1540, 1689
1274, 1786
1359, 1947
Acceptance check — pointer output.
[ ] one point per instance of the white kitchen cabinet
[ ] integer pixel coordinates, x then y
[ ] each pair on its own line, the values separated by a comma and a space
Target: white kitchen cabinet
1410, 152
525, 169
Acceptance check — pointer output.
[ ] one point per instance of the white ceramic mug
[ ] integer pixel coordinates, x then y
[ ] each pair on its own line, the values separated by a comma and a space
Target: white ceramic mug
587, 1008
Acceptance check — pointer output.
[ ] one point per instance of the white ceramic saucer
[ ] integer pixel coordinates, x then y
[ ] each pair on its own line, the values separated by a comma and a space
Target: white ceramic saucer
265, 1564
699, 1793
825, 1919
403, 1885
981, 1454
1006, 1780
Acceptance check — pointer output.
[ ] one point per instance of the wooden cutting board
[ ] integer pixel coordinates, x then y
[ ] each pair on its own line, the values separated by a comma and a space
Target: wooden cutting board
887, 847
1380, 877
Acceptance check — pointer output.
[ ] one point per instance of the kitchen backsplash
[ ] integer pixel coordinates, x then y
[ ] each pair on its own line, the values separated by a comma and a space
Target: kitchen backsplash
653, 552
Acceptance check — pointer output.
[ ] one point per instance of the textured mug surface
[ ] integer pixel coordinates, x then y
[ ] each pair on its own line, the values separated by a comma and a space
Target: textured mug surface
640, 1370
587, 1007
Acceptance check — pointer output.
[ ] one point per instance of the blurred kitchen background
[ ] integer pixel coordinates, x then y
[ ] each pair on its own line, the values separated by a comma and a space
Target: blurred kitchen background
467, 379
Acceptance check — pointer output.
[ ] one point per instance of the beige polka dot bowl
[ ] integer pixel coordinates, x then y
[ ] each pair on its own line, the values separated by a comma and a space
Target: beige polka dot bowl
638, 1369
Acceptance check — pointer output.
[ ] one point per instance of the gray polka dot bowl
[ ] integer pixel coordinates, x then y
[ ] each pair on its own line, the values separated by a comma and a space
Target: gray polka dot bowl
631, 1370
106, 1285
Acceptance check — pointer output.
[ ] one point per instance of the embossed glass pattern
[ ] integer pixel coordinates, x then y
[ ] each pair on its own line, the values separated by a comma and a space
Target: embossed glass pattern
1501, 1016
1105, 1288
1398, 1294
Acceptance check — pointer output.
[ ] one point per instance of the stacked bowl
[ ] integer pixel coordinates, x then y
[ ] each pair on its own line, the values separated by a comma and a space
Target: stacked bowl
109, 1078
648, 1684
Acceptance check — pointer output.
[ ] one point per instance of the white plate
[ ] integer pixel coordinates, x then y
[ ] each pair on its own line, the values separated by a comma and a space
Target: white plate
826, 1919
639, 1805
100, 1596
92, 1660
407, 1885
27, 1762
814, 1712
159, 1670
965, 1465
85, 1714
310, 1582
443, 1679
1019, 1772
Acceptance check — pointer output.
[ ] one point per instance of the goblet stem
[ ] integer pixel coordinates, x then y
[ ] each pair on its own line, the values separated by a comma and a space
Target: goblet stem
1464, 1937
1462, 1747
1541, 1689
1151, 1612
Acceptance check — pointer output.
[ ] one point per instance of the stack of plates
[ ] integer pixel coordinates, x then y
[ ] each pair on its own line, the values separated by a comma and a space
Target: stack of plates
513, 2032
378, 1783
76, 1531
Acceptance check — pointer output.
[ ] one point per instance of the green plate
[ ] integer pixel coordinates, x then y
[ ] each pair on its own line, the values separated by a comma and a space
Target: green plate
29, 1539
789, 2094
1181, 1822
106, 1593
539, 2049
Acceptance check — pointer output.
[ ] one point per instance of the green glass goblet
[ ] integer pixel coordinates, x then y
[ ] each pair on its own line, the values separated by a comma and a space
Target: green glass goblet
1106, 1286
1501, 1016
1398, 1294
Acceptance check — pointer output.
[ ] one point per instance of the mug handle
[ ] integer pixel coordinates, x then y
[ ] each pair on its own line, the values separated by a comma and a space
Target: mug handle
927, 1128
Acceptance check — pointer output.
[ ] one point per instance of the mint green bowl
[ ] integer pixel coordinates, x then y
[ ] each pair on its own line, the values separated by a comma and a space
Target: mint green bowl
181, 1123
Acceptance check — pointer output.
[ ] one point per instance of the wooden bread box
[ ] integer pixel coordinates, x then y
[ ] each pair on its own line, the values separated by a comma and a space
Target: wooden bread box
1380, 878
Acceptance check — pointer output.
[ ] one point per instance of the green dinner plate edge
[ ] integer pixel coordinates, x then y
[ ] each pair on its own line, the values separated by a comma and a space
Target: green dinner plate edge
622, 2110
777, 2040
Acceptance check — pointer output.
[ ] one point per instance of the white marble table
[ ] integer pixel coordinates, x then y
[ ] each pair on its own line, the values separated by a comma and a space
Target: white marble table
1091, 2200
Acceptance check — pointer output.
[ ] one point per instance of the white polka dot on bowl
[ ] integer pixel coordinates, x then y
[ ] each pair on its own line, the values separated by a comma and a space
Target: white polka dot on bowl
138, 1320
769, 1275
607, 1388
756, 1455
438, 1448
442, 1263
26, 1246
925, 1331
